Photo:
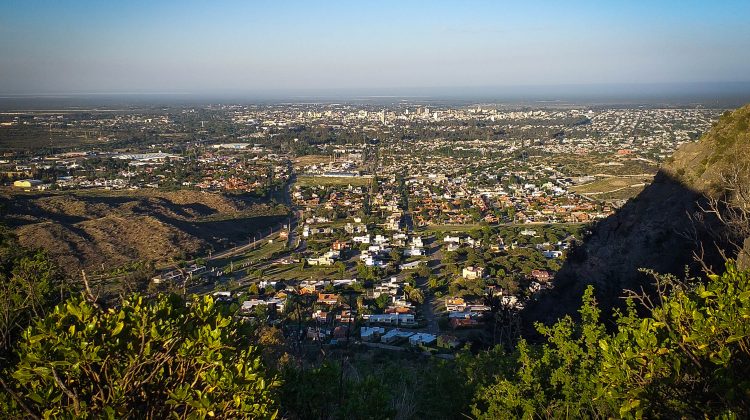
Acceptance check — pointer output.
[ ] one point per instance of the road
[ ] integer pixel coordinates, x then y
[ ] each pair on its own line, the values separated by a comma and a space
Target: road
428, 309
258, 237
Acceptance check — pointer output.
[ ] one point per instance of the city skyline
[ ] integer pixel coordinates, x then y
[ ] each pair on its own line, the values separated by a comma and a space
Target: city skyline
418, 48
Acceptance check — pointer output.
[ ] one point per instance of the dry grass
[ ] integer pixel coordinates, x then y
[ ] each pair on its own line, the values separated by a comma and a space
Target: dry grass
311, 181
88, 230
312, 160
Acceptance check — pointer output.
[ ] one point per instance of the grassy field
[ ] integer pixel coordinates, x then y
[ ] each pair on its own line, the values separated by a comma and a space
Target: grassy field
312, 159
453, 228
579, 165
309, 181
32, 137
295, 272
613, 188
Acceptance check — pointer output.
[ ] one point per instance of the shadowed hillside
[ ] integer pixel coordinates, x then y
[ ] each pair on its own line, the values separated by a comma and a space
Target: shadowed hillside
88, 230
665, 227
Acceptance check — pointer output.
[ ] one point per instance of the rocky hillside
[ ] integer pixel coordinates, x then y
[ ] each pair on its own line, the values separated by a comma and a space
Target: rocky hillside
703, 165
663, 229
110, 230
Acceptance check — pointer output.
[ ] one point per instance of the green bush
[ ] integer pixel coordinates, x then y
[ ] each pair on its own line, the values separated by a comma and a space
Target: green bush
145, 359
689, 357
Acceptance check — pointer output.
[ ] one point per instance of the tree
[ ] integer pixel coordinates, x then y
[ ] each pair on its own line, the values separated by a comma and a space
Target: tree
144, 359
396, 257
689, 358
414, 294
340, 268
30, 284
254, 289
381, 302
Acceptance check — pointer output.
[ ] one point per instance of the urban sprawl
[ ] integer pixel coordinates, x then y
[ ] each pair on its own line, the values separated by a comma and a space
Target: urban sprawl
410, 226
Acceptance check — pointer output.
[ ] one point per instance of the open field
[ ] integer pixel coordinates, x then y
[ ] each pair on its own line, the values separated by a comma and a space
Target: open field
613, 188
453, 228
312, 160
26, 137
309, 181
578, 165
295, 272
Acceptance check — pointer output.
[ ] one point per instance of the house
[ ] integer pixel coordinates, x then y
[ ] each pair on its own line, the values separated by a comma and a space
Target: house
358, 228
393, 222
463, 323
373, 262
322, 260
391, 319
316, 333
371, 334
395, 335
413, 252
328, 298
340, 246
27, 183
477, 307
364, 239
448, 341
277, 304
249, 305
510, 301
422, 339
452, 239
455, 304
344, 282
411, 265
541, 275
474, 243
472, 273
552, 254
320, 316
384, 288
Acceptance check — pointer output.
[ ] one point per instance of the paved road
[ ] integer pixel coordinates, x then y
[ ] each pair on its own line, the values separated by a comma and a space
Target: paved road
264, 233
259, 237
428, 306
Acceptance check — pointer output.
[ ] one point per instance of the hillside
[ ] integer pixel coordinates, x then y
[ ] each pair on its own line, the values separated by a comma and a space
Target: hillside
663, 228
91, 230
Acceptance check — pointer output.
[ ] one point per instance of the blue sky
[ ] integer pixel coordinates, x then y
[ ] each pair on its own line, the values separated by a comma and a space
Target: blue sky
208, 46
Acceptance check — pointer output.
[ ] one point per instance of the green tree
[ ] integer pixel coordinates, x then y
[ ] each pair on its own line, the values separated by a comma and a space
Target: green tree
690, 357
30, 284
340, 268
146, 359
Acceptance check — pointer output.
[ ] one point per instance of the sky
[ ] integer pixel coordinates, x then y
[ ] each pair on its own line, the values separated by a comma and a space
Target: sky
49, 47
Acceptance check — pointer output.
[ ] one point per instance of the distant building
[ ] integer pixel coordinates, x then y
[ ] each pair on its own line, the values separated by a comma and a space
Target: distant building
27, 183
472, 273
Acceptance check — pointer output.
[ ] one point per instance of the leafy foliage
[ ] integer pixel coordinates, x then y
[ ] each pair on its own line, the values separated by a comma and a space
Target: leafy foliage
690, 356
30, 284
147, 358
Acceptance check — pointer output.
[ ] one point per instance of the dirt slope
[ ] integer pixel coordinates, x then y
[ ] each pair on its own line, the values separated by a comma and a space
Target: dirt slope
113, 229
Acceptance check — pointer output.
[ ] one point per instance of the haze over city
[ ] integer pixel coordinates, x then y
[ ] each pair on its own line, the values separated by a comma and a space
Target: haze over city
372, 48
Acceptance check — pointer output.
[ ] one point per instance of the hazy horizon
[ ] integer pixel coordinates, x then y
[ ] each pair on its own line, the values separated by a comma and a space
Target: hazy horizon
385, 48
717, 95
